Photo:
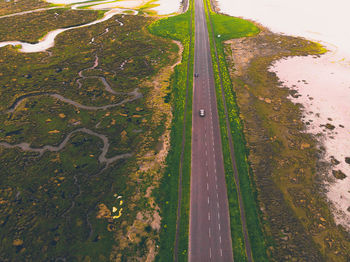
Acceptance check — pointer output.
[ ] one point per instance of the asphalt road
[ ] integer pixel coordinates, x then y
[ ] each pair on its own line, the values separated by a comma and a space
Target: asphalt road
210, 234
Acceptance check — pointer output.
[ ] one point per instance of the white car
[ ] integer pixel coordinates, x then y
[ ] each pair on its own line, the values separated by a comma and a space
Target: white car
201, 112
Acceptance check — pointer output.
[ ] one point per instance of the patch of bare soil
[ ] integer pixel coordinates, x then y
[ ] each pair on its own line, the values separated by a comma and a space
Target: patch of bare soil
284, 159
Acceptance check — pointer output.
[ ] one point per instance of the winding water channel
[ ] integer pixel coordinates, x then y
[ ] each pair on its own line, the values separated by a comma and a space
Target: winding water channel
25, 146
48, 40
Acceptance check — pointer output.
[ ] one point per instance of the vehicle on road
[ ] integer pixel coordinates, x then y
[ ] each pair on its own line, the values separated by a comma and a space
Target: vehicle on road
196, 75
201, 112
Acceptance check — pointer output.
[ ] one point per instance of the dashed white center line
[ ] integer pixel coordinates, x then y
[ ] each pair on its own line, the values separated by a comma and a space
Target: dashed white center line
219, 227
209, 233
221, 251
217, 196
215, 170
220, 238
216, 178
219, 216
216, 186
206, 152
208, 200
207, 186
209, 216
207, 173
210, 252
217, 204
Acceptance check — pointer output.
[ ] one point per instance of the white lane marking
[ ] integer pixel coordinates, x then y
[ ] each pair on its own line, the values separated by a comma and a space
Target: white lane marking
220, 238
215, 170
219, 227
219, 216
217, 204
206, 163
210, 252
216, 186
221, 251
216, 178
209, 232
207, 173
217, 196
206, 152
208, 200
209, 216
207, 187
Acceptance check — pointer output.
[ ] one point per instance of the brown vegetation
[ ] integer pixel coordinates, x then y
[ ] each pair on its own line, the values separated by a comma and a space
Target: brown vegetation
284, 159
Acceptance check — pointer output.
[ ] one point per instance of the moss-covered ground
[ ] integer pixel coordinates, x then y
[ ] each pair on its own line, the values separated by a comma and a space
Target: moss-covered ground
59, 205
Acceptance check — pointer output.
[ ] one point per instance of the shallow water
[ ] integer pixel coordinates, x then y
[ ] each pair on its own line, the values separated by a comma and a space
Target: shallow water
325, 21
325, 90
163, 7
325, 96
49, 40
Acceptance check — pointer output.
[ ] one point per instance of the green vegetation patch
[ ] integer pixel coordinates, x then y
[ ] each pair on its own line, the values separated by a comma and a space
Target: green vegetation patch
177, 28
228, 27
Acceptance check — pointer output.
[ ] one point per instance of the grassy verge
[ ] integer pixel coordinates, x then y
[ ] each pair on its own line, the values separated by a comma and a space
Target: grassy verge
177, 28
224, 28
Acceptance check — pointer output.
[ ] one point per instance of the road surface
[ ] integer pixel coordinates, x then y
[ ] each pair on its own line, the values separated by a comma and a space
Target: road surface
210, 233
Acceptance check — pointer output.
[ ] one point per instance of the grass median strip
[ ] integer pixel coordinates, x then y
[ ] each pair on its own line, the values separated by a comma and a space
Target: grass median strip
223, 28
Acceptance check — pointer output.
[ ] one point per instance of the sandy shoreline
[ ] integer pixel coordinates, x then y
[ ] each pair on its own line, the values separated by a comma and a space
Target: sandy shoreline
323, 88
322, 83
287, 161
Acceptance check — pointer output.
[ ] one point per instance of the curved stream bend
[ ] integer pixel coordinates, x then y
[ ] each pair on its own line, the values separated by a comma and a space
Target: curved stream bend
102, 158
49, 40
136, 95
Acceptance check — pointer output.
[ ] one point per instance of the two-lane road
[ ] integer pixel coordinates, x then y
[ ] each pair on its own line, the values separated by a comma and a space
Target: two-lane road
210, 234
